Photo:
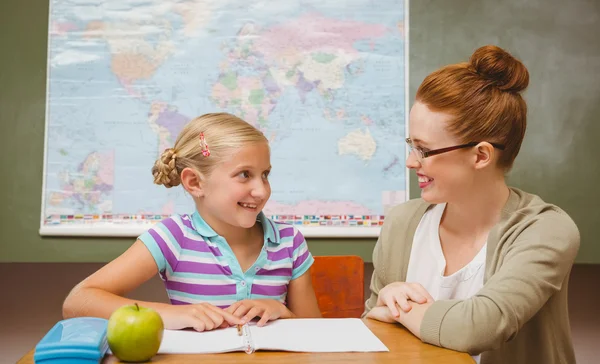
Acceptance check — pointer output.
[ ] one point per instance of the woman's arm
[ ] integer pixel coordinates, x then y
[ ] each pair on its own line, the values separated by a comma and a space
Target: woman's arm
534, 268
413, 319
377, 279
301, 298
102, 292
381, 313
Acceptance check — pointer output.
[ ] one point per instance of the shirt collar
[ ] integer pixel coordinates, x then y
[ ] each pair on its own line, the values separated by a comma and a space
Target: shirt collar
202, 226
271, 233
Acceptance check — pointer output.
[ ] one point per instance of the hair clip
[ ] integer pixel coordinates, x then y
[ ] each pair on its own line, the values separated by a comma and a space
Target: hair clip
204, 146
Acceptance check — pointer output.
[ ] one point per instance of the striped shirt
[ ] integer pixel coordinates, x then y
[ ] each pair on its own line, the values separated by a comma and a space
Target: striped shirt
197, 265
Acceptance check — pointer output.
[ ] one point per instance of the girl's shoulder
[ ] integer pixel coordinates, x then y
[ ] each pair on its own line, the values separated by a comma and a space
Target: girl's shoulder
177, 221
283, 232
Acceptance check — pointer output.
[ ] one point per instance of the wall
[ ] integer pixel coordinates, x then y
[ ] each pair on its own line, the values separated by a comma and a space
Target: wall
555, 39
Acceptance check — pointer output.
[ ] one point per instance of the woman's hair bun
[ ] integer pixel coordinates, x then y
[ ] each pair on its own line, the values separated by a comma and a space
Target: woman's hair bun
495, 64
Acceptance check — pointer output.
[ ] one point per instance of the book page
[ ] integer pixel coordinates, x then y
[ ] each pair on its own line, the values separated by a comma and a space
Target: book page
194, 342
316, 335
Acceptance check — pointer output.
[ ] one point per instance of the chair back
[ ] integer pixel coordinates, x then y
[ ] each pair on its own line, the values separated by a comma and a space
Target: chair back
338, 282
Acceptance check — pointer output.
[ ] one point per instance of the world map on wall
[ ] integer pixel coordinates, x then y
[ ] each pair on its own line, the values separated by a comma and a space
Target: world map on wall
324, 82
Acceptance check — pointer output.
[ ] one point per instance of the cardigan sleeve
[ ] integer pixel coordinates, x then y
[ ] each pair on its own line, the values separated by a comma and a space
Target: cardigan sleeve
530, 270
392, 250
378, 278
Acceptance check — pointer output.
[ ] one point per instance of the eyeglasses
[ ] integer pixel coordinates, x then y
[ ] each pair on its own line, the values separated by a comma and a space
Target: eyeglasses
422, 154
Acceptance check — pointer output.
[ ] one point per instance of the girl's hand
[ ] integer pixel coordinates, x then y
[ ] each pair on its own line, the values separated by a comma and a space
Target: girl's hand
200, 317
266, 309
399, 293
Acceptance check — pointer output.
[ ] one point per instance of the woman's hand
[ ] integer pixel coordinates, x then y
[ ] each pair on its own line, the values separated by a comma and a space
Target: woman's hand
381, 313
200, 317
399, 293
266, 309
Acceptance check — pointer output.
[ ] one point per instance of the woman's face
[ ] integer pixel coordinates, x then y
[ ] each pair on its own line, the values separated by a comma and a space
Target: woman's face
443, 177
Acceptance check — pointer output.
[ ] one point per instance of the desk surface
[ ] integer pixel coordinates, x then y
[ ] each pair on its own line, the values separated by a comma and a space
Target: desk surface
404, 348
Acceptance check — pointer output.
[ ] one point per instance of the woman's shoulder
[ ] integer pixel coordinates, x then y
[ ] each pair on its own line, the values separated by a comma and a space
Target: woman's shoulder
403, 219
407, 210
529, 212
529, 205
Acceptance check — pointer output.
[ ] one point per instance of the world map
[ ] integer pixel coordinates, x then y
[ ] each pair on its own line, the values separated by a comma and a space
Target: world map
324, 81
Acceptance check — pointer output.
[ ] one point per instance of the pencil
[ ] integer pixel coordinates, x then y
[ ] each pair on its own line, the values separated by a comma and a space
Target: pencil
239, 328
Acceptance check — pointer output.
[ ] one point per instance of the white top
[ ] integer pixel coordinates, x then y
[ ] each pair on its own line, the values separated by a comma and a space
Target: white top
427, 263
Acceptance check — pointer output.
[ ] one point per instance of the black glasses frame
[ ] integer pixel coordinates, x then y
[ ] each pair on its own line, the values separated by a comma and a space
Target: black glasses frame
429, 153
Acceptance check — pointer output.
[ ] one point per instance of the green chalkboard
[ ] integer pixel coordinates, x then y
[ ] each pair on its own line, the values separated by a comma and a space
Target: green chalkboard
559, 159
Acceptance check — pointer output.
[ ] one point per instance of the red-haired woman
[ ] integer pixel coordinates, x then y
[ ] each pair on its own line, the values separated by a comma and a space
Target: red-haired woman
475, 265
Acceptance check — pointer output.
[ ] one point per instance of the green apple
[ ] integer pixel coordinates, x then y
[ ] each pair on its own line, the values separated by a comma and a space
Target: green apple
134, 333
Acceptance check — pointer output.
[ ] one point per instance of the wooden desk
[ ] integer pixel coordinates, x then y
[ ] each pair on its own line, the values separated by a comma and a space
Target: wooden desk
404, 348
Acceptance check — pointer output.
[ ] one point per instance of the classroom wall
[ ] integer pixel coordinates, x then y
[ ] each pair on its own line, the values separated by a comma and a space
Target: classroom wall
555, 39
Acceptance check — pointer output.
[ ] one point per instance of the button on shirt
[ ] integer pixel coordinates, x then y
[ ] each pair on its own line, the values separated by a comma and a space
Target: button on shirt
197, 265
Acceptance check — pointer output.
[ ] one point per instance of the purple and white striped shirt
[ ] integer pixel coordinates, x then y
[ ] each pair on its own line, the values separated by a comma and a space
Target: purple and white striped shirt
197, 265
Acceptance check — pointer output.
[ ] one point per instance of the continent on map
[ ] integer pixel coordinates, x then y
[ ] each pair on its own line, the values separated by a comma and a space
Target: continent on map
359, 143
166, 122
252, 97
306, 54
195, 14
61, 28
166, 210
133, 58
89, 188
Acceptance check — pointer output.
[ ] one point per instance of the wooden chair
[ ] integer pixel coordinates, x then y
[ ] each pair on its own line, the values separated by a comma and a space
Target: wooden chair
338, 282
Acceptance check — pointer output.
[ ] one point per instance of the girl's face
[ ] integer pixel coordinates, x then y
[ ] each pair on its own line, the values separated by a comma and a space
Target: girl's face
237, 189
443, 177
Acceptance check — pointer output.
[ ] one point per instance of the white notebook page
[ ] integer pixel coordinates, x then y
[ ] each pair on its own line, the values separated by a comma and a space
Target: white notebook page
193, 342
316, 335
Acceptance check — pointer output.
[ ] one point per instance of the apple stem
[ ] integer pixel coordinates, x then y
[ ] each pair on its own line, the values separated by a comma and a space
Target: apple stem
137, 307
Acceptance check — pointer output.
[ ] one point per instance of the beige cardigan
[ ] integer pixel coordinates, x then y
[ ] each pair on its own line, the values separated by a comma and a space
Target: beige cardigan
520, 315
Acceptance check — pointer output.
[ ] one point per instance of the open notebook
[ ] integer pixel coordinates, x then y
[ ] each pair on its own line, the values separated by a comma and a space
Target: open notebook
301, 335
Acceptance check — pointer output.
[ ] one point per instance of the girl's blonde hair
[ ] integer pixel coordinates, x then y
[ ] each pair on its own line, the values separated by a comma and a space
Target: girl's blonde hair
222, 133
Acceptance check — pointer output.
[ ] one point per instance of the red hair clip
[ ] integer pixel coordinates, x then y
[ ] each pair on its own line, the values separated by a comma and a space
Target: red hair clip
204, 146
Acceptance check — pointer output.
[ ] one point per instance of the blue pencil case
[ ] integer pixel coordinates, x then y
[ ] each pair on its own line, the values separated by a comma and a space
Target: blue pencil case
80, 340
